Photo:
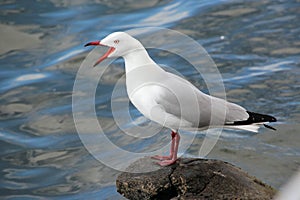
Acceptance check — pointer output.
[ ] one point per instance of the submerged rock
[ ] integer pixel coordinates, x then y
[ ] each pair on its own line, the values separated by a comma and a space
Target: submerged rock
190, 178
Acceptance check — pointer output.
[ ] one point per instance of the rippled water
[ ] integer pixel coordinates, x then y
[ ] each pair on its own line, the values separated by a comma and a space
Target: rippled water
255, 44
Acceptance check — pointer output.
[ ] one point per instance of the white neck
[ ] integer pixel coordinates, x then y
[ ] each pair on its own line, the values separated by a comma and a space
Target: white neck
137, 59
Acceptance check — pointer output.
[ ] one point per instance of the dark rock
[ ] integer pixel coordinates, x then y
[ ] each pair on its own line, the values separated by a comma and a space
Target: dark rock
190, 178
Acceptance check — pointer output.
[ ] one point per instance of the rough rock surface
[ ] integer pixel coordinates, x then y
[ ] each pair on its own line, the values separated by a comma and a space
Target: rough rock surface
190, 178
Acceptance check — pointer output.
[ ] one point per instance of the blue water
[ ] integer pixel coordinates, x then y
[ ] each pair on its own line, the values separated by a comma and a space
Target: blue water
256, 46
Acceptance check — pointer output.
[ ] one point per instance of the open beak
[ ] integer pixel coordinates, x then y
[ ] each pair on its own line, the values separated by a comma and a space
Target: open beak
98, 43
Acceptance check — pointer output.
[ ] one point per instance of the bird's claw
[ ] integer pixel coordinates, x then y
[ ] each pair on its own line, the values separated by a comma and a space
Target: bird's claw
157, 157
166, 162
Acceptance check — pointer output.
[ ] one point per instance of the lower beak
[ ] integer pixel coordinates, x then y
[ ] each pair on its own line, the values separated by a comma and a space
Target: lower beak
98, 43
109, 51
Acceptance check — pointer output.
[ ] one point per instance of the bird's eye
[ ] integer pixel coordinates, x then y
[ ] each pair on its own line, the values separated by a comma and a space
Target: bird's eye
116, 41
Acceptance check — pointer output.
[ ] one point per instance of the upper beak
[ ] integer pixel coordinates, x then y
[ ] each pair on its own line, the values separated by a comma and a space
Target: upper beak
98, 43
92, 43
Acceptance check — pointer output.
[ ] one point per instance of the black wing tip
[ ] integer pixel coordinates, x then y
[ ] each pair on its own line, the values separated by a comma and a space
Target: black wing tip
256, 117
270, 127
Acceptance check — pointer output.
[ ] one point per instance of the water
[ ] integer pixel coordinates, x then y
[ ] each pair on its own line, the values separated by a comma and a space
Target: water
255, 45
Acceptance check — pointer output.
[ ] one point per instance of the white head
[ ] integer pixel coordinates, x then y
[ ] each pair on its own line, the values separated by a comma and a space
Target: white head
119, 43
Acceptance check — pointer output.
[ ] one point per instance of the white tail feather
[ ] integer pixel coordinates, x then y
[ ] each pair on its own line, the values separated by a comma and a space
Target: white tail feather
252, 127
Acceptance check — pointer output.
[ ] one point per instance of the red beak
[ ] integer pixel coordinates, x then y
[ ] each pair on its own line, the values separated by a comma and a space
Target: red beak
97, 43
92, 43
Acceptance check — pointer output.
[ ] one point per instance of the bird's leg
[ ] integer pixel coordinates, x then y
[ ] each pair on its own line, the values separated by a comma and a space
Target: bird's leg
169, 160
173, 152
157, 157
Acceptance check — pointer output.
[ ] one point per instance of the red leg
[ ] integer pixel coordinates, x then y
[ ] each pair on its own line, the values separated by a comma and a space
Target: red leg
157, 157
169, 160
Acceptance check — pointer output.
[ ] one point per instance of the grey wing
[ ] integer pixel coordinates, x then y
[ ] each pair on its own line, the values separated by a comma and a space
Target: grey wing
183, 100
224, 112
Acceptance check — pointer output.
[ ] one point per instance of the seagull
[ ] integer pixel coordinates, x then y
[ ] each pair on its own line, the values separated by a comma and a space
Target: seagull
170, 100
